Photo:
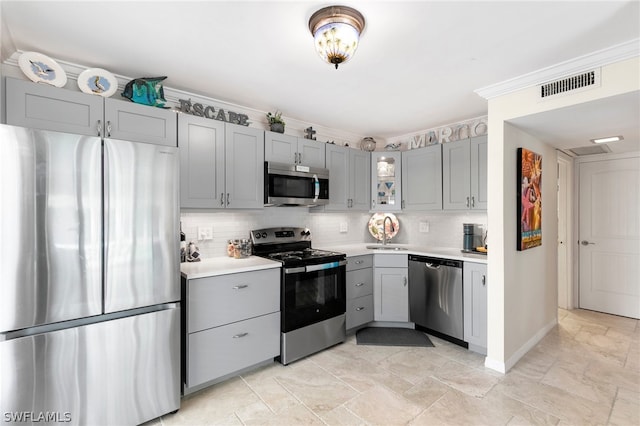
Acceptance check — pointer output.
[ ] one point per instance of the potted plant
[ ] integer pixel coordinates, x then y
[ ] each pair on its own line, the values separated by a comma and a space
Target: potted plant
276, 123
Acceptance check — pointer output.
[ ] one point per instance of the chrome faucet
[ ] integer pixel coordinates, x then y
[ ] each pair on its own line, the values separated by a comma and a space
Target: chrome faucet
384, 229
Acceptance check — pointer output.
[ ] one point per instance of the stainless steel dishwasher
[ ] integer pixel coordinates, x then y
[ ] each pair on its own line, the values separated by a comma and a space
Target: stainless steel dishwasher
435, 297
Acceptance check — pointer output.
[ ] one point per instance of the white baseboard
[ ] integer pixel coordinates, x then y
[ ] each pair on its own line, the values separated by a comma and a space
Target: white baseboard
503, 367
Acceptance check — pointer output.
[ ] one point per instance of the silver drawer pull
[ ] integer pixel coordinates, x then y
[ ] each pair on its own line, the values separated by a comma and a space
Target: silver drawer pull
361, 308
358, 262
359, 284
239, 335
240, 287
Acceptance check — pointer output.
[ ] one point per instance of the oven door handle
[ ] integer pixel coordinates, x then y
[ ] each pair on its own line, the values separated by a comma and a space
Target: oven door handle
312, 268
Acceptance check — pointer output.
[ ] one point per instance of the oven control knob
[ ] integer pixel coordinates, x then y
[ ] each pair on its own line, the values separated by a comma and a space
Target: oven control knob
264, 235
257, 235
305, 233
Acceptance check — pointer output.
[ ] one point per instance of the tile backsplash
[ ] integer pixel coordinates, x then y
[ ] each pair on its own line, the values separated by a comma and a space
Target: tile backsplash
445, 228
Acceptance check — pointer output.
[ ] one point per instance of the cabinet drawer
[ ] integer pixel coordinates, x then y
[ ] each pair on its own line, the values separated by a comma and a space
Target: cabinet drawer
223, 350
219, 300
359, 283
391, 260
359, 262
359, 311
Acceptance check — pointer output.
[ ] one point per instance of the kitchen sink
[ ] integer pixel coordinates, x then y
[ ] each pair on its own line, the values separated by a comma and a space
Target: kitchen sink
387, 247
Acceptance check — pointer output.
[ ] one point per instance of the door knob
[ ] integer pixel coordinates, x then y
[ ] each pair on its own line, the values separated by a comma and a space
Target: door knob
586, 243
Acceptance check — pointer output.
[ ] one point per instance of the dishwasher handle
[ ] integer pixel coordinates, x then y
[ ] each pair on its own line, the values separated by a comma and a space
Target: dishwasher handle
432, 265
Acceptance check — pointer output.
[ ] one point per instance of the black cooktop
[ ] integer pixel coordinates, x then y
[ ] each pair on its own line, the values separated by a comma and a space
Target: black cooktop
307, 256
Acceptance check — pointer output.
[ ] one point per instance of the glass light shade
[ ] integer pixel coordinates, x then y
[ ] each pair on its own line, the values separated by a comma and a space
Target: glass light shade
336, 42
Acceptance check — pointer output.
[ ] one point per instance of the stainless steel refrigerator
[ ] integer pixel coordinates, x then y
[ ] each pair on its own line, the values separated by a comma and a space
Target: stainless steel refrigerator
89, 279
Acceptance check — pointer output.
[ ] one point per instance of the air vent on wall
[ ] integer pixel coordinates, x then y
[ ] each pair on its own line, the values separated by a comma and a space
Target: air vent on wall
590, 150
576, 82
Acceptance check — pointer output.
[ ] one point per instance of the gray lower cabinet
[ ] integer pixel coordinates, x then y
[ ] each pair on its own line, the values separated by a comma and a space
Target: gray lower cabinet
474, 284
40, 106
464, 174
350, 178
390, 287
221, 164
359, 291
232, 322
422, 178
281, 148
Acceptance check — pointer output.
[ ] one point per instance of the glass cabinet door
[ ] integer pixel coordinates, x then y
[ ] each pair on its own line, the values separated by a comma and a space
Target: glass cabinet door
386, 188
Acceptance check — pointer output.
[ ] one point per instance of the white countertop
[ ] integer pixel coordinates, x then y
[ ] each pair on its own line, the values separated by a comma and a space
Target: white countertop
225, 265
441, 252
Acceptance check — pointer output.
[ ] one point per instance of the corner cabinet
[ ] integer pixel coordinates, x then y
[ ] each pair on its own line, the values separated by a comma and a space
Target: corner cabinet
386, 185
390, 287
281, 148
474, 289
40, 106
422, 179
349, 179
359, 291
221, 164
464, 171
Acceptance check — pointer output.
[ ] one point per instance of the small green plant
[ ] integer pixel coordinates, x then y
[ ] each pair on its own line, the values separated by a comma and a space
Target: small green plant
275, 118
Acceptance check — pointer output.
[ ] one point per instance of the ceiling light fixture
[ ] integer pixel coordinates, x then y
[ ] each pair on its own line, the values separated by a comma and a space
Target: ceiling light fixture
608, 139
336, 30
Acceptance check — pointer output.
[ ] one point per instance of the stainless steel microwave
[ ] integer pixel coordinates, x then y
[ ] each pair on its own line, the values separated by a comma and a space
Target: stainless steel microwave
295, 185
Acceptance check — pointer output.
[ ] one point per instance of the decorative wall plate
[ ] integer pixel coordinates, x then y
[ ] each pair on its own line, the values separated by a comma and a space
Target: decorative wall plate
375, 226
42, 69
97, 81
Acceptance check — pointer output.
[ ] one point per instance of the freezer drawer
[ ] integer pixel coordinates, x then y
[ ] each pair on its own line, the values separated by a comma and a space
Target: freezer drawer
142, 265
51, 227
124, 371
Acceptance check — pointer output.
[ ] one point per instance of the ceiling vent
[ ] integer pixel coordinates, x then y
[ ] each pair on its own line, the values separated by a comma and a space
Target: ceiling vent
578, 82
590, 150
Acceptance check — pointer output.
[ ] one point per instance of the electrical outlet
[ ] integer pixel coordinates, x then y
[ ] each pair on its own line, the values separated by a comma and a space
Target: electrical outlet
424, 226
344, 227
205, 233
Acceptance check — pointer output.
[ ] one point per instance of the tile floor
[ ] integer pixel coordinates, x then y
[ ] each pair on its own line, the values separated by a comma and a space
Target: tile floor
585, 371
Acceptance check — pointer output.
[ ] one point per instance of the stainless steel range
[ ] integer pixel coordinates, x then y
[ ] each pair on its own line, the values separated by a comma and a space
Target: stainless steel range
313, 295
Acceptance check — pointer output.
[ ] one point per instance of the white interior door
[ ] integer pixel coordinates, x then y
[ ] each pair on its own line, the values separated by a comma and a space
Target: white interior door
563, 252
609, 236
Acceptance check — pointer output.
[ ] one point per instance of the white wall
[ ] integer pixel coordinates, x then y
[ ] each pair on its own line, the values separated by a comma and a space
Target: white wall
522, 291
445, 229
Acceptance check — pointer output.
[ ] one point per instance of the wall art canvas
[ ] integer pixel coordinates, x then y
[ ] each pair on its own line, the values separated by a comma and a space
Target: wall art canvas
529, 199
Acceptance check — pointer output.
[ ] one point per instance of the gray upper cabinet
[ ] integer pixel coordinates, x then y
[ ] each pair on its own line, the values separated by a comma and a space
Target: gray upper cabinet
201, 143
221, 164
464, 174
349, 178
281, 148
40, 106
422, 178
244, 177
139, 123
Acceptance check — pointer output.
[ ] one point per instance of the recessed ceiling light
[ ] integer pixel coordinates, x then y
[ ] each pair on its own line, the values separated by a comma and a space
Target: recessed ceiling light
608, 139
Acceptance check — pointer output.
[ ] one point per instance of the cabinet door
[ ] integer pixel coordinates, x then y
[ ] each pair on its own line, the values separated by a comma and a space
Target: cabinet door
338, 165
311, 153
422, 178
201, 143
244, 154
391, 294
359, 180
475, 305
40, 106
140, 123
456, 175
479, 173
386, 186
280, 148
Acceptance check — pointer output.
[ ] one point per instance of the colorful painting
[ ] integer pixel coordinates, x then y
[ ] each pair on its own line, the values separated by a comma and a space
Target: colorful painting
529, 199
